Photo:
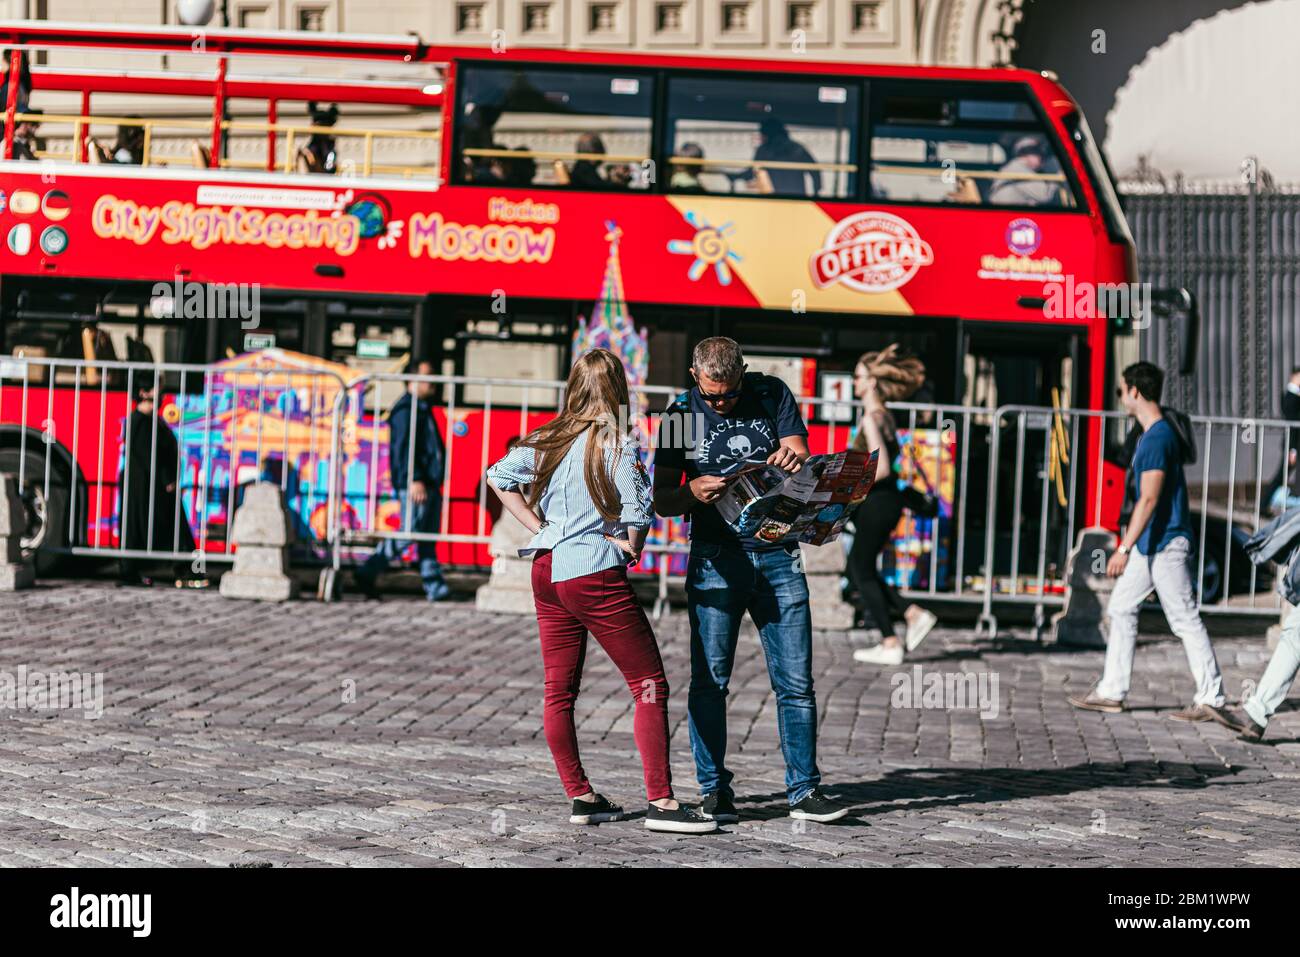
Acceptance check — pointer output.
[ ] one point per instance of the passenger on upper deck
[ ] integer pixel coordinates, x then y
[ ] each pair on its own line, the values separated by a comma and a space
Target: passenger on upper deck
24, 82
685, 177
25, 141
477, 133
503, 170
128, 150
585, 173
518, 171
776, 145
319, 155
1029, 157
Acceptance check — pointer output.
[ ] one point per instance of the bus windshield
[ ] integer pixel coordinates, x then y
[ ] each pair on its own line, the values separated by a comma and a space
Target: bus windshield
1099, 175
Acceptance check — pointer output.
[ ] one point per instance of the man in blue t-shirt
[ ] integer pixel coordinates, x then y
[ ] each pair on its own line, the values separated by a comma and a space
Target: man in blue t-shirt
1160, 532
728, 419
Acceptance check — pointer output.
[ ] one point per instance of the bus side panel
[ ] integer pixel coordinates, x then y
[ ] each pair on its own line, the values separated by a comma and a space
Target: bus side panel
464, 485
94, 441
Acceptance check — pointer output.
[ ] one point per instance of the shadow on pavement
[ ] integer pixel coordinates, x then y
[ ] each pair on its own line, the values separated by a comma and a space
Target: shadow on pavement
927, 788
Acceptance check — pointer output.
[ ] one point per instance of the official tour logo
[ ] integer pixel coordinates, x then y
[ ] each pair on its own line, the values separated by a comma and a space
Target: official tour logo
1023, 237
870, 252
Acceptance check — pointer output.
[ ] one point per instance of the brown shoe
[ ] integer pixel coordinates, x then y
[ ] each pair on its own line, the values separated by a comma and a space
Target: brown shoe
1240, 723
1195, 712
1094, 702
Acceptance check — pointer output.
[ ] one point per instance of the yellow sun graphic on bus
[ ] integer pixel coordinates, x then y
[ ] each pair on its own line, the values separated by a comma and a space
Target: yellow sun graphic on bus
709, 246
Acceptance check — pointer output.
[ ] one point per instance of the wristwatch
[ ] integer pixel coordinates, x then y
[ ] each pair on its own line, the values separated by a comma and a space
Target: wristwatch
1124, 549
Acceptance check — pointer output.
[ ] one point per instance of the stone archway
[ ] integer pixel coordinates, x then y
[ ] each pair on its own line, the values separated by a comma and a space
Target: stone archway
967, 32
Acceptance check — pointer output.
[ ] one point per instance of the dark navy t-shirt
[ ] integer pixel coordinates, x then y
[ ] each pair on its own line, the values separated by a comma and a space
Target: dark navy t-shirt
1159, 448
699, 441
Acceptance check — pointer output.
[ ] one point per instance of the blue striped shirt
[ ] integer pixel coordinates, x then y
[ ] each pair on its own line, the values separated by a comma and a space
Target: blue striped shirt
574, 530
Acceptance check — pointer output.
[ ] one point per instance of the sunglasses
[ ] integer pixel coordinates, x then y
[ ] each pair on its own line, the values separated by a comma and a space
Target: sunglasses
719, 396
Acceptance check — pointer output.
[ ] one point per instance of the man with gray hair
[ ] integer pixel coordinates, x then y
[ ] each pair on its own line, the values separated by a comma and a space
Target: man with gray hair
730, 419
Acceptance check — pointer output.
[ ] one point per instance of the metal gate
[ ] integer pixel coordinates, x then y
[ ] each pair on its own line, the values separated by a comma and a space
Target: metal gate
1236, 247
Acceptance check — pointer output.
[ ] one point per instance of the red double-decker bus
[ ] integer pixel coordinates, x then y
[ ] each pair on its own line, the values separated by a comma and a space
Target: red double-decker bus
469, 210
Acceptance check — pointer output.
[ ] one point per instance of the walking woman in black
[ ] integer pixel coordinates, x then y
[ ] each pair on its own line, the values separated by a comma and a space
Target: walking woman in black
886, 376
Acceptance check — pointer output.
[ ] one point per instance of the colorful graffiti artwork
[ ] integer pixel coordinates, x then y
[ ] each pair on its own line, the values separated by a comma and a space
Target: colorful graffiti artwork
922, 547
264, 416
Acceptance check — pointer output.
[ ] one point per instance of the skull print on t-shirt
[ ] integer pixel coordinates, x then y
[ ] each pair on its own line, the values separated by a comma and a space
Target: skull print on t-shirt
697, 440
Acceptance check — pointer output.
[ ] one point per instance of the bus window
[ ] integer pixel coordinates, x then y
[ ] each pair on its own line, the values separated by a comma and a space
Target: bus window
544, 127
780, 137
942, 148
1102, 181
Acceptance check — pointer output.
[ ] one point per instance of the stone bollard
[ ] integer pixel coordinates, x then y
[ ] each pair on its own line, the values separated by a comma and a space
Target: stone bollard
262, 534
1082, 623
15, 572
509, 587
824, 566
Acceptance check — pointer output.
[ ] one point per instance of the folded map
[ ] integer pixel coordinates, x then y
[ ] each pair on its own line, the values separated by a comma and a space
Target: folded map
811, 505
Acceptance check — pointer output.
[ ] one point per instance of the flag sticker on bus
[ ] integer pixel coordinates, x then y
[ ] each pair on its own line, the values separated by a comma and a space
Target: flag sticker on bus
832, 94
54, 240
870, 252
626, 86
24, 202
56, 205
20, 239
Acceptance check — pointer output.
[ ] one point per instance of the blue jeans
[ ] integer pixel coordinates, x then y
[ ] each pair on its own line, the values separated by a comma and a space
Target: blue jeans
722, 583
424, 518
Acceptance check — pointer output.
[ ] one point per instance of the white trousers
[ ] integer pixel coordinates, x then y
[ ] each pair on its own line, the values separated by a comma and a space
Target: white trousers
1281, 671
1168, 575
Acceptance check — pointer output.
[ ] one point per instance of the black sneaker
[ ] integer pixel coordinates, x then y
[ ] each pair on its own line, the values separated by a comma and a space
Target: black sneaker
818, 807
682, 819
598, 811
718, 807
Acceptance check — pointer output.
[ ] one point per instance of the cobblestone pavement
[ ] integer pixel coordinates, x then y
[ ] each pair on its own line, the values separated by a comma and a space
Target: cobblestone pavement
401, 733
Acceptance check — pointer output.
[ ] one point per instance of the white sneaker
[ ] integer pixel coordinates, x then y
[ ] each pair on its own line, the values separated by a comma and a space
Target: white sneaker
918, 629
880, 655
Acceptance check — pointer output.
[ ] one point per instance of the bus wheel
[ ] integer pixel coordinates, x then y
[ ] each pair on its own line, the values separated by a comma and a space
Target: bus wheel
47, 515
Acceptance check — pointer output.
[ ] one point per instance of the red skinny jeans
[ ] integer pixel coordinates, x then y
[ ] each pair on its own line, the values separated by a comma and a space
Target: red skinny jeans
603, 604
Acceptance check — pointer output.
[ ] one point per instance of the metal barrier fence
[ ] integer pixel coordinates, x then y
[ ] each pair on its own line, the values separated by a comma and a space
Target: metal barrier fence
1014, 484
1043, 521
69, 432
370, 511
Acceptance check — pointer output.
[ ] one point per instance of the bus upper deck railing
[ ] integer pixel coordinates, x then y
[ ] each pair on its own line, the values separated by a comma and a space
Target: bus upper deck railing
84, 149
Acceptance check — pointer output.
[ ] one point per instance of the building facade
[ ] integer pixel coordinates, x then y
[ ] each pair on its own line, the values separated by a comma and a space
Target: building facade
927, 31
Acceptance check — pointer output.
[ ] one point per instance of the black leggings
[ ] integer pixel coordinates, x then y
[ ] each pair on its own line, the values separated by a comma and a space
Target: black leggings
874, 522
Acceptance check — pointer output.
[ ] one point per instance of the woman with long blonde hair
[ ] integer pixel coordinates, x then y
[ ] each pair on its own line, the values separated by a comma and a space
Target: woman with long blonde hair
890, 375
587, 479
